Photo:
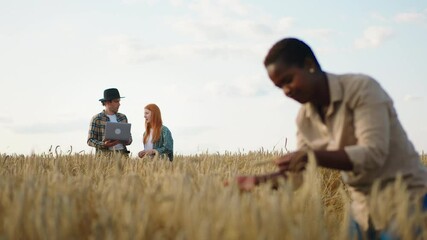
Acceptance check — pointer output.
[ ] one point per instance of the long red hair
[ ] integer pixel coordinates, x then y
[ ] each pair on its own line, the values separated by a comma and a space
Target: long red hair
156, 123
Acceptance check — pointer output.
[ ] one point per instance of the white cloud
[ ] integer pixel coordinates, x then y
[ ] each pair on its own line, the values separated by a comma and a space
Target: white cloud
227, 19
216, 29
200, 30
52, 127
5, 120
176, 3
217, 9
373, 37
323, 33
283, 24
226, 51
412, 98
126, 50
378, 17
228, 28
193, 131
149, 2
409, 17
247, 87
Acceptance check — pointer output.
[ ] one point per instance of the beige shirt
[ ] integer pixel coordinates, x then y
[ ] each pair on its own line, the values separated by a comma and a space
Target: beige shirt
361, 120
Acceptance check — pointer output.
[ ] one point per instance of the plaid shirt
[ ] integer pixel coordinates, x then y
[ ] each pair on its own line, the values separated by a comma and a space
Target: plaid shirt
97, 129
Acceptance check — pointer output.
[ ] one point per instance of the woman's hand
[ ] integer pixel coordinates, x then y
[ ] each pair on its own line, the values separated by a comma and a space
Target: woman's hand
294, 162
247, 183
150, 152
141, 154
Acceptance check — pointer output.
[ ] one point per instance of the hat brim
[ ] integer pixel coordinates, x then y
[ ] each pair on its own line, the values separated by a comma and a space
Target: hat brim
103, 100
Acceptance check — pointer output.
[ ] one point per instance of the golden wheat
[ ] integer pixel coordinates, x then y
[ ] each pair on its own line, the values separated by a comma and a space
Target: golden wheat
54, 196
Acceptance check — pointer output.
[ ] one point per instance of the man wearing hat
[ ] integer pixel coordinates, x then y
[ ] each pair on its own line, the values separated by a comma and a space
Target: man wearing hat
96, 137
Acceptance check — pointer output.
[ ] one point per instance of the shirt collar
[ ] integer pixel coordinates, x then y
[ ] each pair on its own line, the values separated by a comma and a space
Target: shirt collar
334, 88
103, 113
105, 116
336, 95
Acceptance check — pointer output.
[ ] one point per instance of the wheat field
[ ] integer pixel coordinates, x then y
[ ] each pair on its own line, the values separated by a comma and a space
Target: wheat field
83, 196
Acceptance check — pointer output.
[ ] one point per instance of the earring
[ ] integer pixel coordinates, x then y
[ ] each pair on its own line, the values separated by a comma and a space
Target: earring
311, 70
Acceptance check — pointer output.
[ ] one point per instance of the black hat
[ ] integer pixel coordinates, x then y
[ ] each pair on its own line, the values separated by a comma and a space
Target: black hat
110, 94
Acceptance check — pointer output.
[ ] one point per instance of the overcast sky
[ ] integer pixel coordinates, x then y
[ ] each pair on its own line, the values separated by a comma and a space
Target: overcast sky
199, 61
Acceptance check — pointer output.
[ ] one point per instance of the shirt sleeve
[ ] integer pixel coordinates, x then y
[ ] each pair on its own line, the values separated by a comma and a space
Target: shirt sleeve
166, 147
371, 112
301, 140
94, 137
301, 143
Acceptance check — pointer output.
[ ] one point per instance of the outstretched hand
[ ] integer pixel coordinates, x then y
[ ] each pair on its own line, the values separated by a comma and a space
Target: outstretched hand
294, 162
247, 183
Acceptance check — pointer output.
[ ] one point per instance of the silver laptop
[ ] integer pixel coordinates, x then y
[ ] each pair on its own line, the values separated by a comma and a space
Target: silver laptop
117, 131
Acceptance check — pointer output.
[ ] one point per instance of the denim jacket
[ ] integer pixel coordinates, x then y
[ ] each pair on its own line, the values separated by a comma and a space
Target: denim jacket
165, 144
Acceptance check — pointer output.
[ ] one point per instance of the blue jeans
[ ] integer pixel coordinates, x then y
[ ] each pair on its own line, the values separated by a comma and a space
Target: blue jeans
356, 231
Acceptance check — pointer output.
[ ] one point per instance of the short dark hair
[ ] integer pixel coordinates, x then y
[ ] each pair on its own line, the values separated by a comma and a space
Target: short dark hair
291, 51
104, 101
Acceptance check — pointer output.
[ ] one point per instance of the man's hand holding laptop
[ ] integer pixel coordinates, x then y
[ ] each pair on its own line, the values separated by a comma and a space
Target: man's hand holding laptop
110, 143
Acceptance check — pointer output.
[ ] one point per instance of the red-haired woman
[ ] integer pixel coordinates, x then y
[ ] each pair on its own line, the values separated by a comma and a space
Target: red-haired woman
157, 137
